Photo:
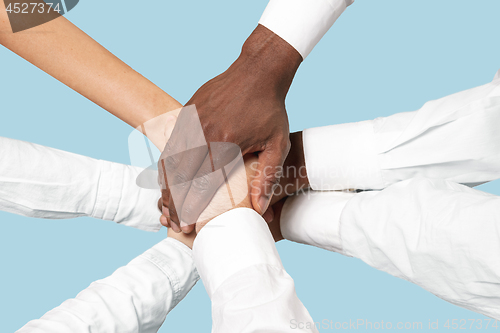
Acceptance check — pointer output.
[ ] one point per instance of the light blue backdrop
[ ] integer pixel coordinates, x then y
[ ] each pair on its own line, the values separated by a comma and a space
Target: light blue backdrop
381, 57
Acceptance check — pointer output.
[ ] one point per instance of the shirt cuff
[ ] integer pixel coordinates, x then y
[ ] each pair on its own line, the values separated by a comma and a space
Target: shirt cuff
175, 260
302, 23
313, 218
231, 242
340, 157
119, 199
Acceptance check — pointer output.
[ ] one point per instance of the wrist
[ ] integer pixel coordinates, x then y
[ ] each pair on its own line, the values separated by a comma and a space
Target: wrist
296, 163
186, 239
267, 55
159, 128
294, 177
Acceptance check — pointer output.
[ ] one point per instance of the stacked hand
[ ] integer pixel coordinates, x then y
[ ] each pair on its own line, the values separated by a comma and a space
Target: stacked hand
245, 106
294, 179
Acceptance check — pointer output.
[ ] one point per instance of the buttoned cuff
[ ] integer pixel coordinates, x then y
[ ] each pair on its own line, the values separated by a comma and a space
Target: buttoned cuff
119, 199
302, 23
341, 157
313, 218
231, 242
175, 260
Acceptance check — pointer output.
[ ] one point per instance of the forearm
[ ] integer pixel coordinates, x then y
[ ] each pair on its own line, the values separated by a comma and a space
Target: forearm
135, 298
243, 275
266, 55
453, 138
435, 233
43, 182
65, 52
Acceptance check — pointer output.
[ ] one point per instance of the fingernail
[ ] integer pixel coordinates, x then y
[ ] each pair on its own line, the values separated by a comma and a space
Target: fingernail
175, 227
268, 216
263, 204
183, 226
165, 211
163, 220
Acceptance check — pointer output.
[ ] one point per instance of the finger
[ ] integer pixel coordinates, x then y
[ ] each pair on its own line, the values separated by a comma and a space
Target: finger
200, 194
172, 212
180, 171
160, 205
164, 221
175, 227
165, 212
268, 216
268, 174
187, 228
183, 155
165, 191
172, 216
275, 225
213, 174
165, 197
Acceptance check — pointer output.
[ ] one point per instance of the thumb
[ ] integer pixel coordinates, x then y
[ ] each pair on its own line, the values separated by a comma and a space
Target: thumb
269, 171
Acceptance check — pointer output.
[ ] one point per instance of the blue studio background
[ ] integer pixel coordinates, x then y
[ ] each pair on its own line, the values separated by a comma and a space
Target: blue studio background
380, 58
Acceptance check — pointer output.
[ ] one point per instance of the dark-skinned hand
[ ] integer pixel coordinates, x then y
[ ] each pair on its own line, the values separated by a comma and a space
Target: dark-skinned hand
245, 106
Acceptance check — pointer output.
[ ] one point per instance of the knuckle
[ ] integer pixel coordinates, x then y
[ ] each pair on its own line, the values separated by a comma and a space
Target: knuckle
286, 145
202, 184
172, 213
206, 127
172, 162
169, 147
274, 181
180, 178
228, 136
187, 211
273, 178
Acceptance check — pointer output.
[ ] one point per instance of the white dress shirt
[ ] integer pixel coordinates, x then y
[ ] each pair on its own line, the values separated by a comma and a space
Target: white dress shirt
302, 23
454, 138
244, 277
239, 264
435, 233
424, 227
438, 234
43, 182
135, 298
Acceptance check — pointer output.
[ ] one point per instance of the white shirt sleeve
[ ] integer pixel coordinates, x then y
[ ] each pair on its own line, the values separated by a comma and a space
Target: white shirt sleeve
135, 298
454, 138
43, 182
244, 277
302, 23
440, 235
